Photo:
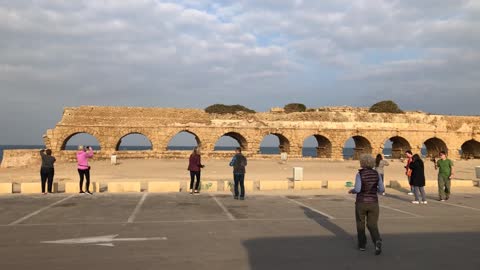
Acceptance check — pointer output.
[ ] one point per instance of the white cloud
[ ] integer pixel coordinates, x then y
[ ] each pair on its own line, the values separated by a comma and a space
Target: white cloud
152, 52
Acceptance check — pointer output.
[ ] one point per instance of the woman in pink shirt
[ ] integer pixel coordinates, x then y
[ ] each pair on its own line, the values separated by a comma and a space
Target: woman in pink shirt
83, 155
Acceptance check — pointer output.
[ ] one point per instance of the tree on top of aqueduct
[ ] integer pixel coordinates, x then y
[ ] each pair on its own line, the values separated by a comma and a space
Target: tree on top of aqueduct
386, 106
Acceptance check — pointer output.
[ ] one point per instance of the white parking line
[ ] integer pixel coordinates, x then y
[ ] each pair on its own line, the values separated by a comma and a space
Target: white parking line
311, 208
184, 221
390, 208
39, 211
225, 210
137, 208
457, 205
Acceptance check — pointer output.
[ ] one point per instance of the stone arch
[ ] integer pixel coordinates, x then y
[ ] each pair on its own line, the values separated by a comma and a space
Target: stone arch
197, 139
399, 146
119, 142
434, 146
237, 137
284, 142
362, 146
471, 149
71, 135
324, 146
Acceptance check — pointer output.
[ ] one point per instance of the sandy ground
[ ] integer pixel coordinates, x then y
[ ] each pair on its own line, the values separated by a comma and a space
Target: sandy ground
257, 170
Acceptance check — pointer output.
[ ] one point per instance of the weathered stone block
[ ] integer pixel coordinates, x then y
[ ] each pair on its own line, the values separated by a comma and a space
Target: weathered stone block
205, 186
273, 185
338, 185
160, 186
301, 185
74, 187
31, 188
6, 188
462, 183
229, 186
117, 187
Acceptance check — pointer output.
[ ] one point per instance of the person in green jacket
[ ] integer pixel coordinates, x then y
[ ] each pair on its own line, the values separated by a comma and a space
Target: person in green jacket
445, 174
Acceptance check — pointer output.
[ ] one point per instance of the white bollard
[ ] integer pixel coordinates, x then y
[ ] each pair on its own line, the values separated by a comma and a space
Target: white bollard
113, 159
297, 173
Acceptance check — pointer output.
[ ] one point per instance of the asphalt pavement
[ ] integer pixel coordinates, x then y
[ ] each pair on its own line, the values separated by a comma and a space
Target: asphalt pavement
214, 231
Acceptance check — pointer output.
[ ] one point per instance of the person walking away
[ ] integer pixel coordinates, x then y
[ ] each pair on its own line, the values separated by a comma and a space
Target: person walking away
380, 163
83, 155
239, 162
47, 170
194, 166
445, 174
408, 171
368, 183
418, 179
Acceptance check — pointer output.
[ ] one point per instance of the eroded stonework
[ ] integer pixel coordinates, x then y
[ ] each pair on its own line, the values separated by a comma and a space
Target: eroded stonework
459, 135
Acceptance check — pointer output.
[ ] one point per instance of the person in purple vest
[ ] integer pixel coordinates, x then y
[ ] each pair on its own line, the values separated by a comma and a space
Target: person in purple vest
368, 183
195, 166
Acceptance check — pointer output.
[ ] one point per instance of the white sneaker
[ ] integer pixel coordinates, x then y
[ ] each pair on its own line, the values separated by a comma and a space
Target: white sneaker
423, 202
415, 202
410, 193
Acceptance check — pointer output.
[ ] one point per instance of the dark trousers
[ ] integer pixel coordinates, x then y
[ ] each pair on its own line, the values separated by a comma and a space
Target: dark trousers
369, 212
46, 174
444, 185
239, 179
84, 174
192, 179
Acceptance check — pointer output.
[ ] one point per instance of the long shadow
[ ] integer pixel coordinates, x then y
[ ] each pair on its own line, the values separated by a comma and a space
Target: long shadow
402, 251
336, 249
326, 223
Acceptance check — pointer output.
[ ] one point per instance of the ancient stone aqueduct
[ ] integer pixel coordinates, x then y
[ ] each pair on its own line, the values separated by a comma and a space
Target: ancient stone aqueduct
332, 127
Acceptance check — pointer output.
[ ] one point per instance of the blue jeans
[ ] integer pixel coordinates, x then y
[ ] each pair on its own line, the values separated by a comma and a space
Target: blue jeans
418, 190
239, 179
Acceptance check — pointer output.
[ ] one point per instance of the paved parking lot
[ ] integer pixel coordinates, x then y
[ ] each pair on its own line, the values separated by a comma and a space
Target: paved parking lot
213, 231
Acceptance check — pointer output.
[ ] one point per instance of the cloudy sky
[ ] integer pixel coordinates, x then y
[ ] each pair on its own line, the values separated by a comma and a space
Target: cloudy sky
423, 54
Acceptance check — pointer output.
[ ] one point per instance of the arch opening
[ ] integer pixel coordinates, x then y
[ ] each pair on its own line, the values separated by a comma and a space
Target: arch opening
395, 147
470, 150
229, 141
134, 142
356, 146
183, 141
433, 146
317, 146
80, 138
273, 144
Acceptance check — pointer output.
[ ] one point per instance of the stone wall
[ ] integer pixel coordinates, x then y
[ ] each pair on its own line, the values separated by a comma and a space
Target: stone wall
20, 158
331, 127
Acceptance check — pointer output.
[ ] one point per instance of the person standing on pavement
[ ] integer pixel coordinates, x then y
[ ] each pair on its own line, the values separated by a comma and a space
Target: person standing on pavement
83, 155
239, 162
380, 163
418, 179
47, 170
408, 171
445, 174
195, 166
368, 183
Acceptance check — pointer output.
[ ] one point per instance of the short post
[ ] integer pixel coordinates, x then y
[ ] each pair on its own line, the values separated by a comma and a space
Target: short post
477, 172
283, 157
297, 173
113, 159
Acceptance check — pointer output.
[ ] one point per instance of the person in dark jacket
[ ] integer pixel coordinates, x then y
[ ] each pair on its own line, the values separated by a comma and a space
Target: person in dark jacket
194, 166
417, 178
368, 183
238, 163
47, 170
